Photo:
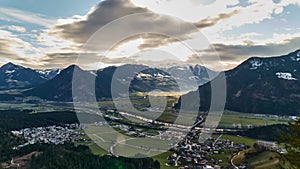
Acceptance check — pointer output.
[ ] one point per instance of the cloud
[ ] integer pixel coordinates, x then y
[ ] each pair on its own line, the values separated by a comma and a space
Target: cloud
10, 46
16, 15
151, 41
232, 55
58, 60
15, 49
63, 40
15, 28
4, 49
80, 29
107, 11
208, 22
154, 41
54, 60
218, 16
190, 10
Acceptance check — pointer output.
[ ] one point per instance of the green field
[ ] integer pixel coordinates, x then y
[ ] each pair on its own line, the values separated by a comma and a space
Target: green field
225, 159
229, 119
97, 150
237, 140
162, 159
264, 160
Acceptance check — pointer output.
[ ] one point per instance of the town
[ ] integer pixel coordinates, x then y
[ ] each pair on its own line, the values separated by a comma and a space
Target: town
50, 135
193, 154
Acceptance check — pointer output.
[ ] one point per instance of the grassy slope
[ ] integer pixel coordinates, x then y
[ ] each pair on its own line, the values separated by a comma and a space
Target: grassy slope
264, 160
236, 139
162, 158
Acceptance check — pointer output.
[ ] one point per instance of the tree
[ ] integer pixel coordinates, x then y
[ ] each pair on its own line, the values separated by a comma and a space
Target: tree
291, 140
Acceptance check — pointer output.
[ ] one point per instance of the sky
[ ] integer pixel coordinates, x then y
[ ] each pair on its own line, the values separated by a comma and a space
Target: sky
92, 34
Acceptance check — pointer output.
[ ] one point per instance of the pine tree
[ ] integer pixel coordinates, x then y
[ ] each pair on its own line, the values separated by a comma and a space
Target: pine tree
291, 140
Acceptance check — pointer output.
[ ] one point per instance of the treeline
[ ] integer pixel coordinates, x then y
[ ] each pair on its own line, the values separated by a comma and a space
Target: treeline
8, 142
268, 133
67, 156
291, 138
80, 157
18, 119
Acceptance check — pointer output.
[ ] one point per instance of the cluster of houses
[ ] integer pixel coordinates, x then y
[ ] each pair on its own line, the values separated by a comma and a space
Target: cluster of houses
192, 154
130, 131
285, 118
50, 135
269, 146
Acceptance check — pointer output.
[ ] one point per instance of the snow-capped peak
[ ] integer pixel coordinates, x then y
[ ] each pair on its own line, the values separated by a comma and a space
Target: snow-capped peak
44, 72
48, 73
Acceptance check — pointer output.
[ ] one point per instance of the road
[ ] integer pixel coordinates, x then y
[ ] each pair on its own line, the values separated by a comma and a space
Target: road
176, 162
231, 161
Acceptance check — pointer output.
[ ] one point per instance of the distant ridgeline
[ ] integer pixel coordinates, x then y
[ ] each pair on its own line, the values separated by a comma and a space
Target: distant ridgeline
260, 85
17, 82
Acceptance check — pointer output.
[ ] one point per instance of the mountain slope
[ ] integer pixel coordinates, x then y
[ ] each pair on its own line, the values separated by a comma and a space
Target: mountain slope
17, 77
60, 87
262, 85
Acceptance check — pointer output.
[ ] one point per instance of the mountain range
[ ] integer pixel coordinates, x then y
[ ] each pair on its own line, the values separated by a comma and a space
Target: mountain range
260, 85
56, 85
17, 77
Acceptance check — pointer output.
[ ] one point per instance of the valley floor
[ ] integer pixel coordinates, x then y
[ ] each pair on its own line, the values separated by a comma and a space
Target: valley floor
60, 114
